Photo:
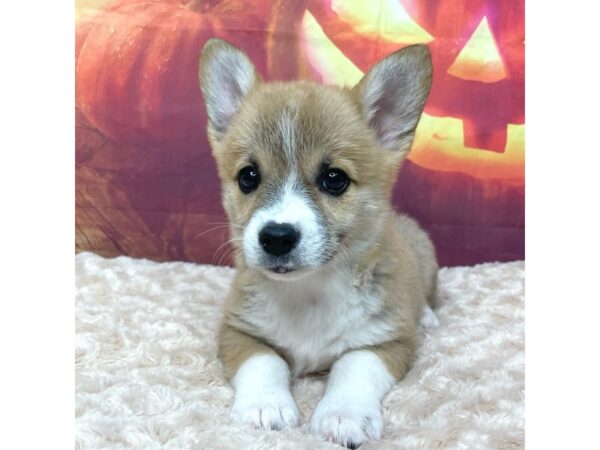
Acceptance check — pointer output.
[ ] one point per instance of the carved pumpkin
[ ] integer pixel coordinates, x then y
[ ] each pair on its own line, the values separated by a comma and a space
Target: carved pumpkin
478, 57
489, 94
146, 182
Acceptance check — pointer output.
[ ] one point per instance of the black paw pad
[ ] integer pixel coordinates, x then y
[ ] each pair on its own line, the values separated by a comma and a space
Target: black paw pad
275, 427
352, 445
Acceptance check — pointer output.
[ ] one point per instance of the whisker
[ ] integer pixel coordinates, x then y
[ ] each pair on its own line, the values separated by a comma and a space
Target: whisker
227, 255
222, 246
225, 223
209, 230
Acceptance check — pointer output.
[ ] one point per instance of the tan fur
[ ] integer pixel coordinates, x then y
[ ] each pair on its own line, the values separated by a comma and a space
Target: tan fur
235, 347
387, 253
405, 270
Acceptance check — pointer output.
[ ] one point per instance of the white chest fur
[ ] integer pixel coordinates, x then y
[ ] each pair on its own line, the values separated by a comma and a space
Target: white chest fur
317, 318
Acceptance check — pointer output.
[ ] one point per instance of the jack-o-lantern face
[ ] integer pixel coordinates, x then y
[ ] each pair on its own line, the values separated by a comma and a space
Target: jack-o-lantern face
477, 97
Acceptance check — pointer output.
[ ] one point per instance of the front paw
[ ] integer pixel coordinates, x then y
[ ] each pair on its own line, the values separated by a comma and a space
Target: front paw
270, 411
350, 424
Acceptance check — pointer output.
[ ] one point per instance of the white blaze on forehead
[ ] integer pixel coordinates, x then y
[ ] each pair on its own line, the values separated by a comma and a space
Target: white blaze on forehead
287, 129
292, 205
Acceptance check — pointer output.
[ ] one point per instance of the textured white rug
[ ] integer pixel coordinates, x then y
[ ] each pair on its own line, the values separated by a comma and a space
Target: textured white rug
147, 376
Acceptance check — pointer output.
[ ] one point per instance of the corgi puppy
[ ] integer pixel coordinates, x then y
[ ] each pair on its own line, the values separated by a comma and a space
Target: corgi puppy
328, 277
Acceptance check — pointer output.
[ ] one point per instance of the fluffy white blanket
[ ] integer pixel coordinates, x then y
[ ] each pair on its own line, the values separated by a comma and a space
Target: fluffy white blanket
147, 376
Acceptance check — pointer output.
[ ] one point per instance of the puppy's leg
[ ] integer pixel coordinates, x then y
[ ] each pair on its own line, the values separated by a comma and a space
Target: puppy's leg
261, 379
350, 411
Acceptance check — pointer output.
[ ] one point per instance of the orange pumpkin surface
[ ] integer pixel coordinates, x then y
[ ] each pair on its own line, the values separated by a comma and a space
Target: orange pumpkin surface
136, 66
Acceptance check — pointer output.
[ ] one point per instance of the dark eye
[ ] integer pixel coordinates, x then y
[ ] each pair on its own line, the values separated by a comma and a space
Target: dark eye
248, 179
334, 181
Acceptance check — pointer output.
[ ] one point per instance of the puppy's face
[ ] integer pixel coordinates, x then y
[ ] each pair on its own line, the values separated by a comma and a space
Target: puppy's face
306, 169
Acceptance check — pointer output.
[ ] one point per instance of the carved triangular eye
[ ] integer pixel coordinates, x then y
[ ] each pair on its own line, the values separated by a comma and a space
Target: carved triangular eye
383, 19
480, 59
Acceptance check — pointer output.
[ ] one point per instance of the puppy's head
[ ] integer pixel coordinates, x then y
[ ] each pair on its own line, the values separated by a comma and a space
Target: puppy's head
306, 169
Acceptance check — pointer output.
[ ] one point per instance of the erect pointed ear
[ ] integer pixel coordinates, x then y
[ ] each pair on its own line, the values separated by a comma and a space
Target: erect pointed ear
392, 96
226, 78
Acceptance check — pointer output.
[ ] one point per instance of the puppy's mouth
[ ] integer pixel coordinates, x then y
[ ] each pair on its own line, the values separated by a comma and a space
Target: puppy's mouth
287, 273
281, 270
290, 270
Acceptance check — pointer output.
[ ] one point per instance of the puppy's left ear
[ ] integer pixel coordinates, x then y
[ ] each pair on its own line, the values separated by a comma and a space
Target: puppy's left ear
392, 96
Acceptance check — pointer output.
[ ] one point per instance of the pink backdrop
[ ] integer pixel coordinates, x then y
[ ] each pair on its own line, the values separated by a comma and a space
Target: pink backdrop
146, 182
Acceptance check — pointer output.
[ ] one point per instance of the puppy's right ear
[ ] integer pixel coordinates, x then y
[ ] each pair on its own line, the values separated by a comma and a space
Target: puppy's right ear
226, 78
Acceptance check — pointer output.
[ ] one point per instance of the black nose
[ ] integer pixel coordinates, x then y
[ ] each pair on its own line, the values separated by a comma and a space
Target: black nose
278, 238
